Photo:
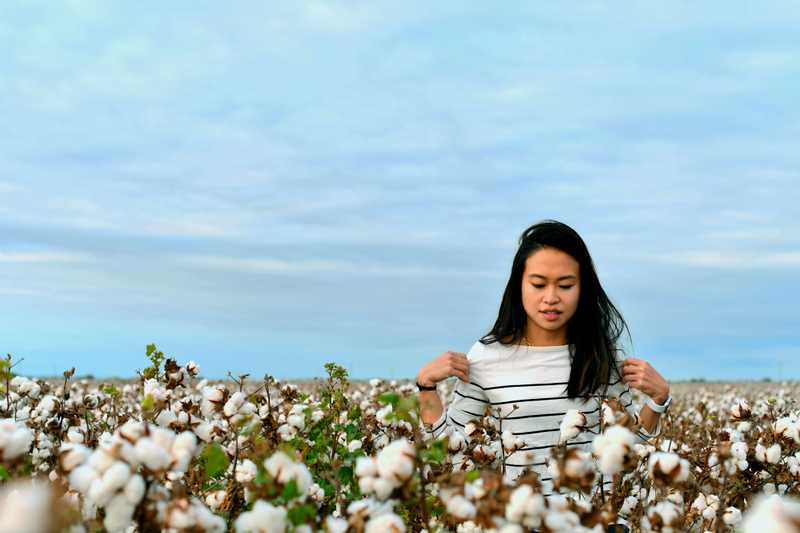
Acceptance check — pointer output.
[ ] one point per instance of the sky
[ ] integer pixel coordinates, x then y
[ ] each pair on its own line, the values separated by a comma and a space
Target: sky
263, 187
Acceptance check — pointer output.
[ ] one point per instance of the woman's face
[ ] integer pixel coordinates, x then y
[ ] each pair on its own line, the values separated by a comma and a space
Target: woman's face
551, 281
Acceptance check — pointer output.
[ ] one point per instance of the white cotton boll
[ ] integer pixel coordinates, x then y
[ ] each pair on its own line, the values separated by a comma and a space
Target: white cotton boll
470, 428
134, 489
116, 476
773, 453
456, 442
82, 477
215, 499
25, 507
744, 427
166, 417
72, 455
460, 507
385, 523
366, 467
396, 461
15, 438
612, 447
739, 450
234, 403
246, 471
474, 490
186, 441
366, 484
131, 430
732, 516
771, 514
100, 460
296, 421
354, 445
119, 513
336, 525
761, 453
383, 487
515, 510
162, 437
263, 518
203, 431
98, 493
277, 463
512, 528
151, 454
571, 425
787, 427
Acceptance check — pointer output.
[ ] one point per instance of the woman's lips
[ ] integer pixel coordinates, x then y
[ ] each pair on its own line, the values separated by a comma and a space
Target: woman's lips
551, 316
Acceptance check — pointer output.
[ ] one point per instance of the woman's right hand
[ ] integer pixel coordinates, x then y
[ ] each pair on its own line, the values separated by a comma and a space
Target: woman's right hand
445, 365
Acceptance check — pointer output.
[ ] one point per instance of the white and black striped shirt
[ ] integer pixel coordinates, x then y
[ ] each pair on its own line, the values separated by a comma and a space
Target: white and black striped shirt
534, 378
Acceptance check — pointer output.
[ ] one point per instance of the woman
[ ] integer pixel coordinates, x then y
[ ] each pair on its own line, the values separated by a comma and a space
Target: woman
553, 348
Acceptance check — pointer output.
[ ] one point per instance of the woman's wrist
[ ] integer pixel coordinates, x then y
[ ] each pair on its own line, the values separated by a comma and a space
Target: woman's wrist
661, 397
422, 380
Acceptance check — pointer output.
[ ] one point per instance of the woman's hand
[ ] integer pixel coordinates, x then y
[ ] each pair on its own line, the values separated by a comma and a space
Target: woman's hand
638, 374
445, 365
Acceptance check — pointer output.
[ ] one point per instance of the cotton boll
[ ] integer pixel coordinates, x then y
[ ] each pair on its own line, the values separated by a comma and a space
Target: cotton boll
119, 513
166, 417
732, 516
571, 425
263, 518
460, 507
215, 499
134, 489
336, 525
366, 466
246, 471
82, 477
72, 455
773, 453
614, 449
151, 454
739, 450
396, 461
116, 476
385, 523
383, 487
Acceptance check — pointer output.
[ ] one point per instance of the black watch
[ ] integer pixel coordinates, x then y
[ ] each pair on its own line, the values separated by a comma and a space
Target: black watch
423, 387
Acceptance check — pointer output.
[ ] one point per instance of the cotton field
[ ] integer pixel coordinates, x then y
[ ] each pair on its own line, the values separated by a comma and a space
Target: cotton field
169, 451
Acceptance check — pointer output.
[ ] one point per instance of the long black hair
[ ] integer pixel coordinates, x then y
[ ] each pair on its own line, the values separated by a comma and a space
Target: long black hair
594, 329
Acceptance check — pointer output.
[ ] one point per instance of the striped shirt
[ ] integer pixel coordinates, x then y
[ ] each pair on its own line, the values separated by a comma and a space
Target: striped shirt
534, 379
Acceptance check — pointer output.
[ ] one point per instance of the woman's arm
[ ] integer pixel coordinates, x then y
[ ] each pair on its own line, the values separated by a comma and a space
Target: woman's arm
640, 375
445, 365
469, 400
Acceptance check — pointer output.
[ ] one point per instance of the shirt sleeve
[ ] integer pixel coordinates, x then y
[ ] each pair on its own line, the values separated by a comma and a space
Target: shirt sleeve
620, 390
469, 402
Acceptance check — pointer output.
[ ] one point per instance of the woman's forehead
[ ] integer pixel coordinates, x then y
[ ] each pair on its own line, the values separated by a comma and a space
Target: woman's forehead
551, 263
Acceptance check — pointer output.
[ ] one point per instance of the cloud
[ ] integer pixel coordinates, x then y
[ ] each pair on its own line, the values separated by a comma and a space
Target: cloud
42, 257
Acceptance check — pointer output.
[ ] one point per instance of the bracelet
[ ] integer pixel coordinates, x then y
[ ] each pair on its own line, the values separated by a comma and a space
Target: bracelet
423, 387
659, 408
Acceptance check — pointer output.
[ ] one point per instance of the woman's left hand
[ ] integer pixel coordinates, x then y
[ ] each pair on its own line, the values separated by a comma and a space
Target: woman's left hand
638, 374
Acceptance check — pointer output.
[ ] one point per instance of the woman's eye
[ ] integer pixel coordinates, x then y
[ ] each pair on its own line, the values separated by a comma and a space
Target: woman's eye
562, 286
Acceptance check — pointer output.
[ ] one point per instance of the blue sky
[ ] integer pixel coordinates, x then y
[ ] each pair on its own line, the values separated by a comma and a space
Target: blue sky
268, 186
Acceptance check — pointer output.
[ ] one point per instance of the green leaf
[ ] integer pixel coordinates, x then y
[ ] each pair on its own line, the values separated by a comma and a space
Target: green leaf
301, 514
147, 403
346, 474
214, 460
150, 349
4, 475
290, 490
472, 475
389, 397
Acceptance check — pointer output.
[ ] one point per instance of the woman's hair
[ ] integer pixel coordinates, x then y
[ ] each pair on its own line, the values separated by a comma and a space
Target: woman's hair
594, 329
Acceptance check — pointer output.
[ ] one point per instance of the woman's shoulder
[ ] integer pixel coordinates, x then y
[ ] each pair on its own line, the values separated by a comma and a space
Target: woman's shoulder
481, 351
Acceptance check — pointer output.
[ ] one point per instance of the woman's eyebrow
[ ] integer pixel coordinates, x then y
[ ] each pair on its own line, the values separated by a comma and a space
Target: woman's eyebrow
569, 276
